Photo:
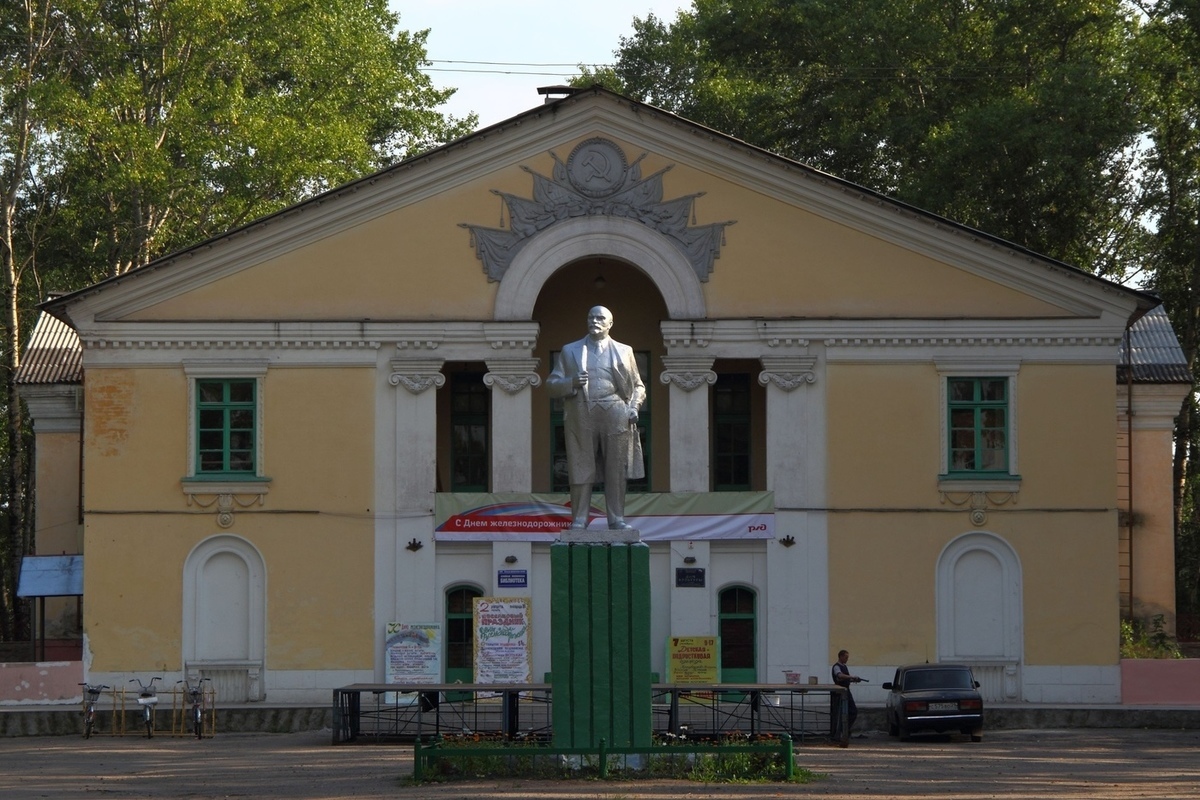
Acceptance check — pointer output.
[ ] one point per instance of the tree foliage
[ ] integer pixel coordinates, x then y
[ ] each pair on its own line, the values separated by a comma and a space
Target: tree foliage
1071, 127
132, 128
1012, 116
1169, 68
185, 118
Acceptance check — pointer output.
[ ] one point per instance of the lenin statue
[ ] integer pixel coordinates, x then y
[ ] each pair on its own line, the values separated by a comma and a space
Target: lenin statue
599, 379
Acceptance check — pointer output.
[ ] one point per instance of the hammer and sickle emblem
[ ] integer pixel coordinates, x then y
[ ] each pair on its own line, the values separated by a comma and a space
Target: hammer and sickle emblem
596, 166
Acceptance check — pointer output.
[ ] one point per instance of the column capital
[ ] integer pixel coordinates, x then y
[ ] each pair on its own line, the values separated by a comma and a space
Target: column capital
513, 375
788, 372
688, 372
417, 374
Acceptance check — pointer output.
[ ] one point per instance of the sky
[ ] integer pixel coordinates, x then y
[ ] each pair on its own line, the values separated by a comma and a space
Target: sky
530, 43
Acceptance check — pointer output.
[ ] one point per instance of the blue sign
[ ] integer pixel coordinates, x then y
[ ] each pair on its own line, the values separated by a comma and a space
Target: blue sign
512, 578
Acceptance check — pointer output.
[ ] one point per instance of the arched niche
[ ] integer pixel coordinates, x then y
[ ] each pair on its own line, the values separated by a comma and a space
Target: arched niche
979, 613
224, 616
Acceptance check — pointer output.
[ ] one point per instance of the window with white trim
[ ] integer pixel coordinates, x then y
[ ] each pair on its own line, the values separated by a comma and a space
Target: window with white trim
979, 422
225, 416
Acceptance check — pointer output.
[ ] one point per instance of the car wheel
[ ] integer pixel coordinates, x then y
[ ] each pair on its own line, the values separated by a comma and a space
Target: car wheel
977, 736
893, 727
903, 732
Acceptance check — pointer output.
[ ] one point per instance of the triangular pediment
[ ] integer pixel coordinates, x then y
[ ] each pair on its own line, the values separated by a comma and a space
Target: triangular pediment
432, 237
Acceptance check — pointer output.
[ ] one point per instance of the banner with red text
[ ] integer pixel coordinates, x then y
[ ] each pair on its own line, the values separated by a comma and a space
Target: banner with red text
690, 516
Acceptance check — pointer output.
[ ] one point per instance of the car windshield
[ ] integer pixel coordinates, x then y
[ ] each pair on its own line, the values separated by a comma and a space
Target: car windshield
938, 679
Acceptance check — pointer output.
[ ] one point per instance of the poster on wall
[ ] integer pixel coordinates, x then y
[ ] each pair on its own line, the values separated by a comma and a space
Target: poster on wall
502, 640
414, 652
693, 659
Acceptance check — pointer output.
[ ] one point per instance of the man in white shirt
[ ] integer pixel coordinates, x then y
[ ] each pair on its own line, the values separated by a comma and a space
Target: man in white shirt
598, 377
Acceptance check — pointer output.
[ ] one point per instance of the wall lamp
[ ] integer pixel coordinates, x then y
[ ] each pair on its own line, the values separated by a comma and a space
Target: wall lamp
689, 559
510, 559
788, 540
414, 545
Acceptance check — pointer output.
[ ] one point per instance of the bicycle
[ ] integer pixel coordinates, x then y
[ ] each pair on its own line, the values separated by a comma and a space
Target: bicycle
89, 707
147, 699
196, 695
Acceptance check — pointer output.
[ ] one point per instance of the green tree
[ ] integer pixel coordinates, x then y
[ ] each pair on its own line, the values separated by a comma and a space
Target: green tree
190, 117
29, 62
132, 128
1169, 68
1012, 116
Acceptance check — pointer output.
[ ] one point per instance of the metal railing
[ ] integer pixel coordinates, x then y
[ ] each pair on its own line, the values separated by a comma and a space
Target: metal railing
386, 712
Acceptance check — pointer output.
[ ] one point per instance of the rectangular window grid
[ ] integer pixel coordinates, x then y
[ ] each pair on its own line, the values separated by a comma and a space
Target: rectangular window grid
978, 420
731, 433
470, 413
225, 427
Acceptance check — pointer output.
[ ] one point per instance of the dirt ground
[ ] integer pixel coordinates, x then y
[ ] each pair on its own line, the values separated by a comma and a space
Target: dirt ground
1083, 764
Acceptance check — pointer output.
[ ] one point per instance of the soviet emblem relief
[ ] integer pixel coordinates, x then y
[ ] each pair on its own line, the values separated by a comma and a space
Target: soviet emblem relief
596, 167
596, 180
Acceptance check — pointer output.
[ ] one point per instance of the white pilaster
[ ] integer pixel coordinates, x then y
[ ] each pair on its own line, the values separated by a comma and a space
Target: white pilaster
416, 431
798, 561
415, 462
511, 381
689, 377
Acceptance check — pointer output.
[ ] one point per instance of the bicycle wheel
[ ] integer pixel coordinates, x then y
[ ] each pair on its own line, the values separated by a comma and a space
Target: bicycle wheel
198, 721
149, 722
89, 722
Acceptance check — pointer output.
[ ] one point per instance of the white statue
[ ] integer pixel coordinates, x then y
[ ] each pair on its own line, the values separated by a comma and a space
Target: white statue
603, 390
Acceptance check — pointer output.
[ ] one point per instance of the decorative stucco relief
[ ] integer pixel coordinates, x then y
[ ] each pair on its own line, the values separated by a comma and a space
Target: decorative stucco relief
978, 504
788, 372
596, 180
417, 375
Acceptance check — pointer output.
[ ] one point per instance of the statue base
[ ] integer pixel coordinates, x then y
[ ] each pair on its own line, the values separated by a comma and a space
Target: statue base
600, 536
600, 641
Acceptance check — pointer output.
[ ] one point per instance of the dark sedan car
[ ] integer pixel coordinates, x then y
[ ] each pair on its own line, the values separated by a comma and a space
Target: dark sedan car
937, 698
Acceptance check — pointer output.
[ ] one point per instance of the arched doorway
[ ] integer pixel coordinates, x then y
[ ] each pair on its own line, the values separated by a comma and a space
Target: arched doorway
737, 627
979, 617
460, 633
224, 591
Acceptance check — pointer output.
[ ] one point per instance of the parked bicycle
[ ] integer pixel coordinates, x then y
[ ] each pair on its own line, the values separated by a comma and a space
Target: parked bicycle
147, 699
89, 707
195, 694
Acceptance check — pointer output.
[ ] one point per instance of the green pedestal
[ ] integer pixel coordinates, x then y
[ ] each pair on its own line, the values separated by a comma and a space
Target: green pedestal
600, 648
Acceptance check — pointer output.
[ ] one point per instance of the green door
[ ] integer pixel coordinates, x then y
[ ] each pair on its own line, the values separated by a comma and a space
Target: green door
736, 624
460, 638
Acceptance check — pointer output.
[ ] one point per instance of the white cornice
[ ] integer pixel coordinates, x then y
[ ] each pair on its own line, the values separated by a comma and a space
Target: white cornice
54, 408
1155, 405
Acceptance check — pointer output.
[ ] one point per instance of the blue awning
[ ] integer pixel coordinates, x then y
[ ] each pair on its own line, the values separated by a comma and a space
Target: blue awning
51, 576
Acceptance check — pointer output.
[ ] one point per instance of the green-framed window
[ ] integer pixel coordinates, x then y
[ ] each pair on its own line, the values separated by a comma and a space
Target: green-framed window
559, 480
731, 433
470, 436
226, 426
979, 421
737, 622
460, 633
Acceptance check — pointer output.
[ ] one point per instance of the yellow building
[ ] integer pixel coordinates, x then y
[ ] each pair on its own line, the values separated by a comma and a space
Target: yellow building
868, 427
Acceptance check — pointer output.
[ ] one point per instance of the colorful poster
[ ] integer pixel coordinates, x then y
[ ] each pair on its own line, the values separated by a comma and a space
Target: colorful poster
503, 652
661, 516
414, 652
692, 660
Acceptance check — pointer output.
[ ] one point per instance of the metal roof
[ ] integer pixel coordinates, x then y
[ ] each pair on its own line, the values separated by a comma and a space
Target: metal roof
53, 354
51, 576
1156, 354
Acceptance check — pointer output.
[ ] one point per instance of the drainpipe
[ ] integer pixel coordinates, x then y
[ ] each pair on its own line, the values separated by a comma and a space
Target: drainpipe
1129, 517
